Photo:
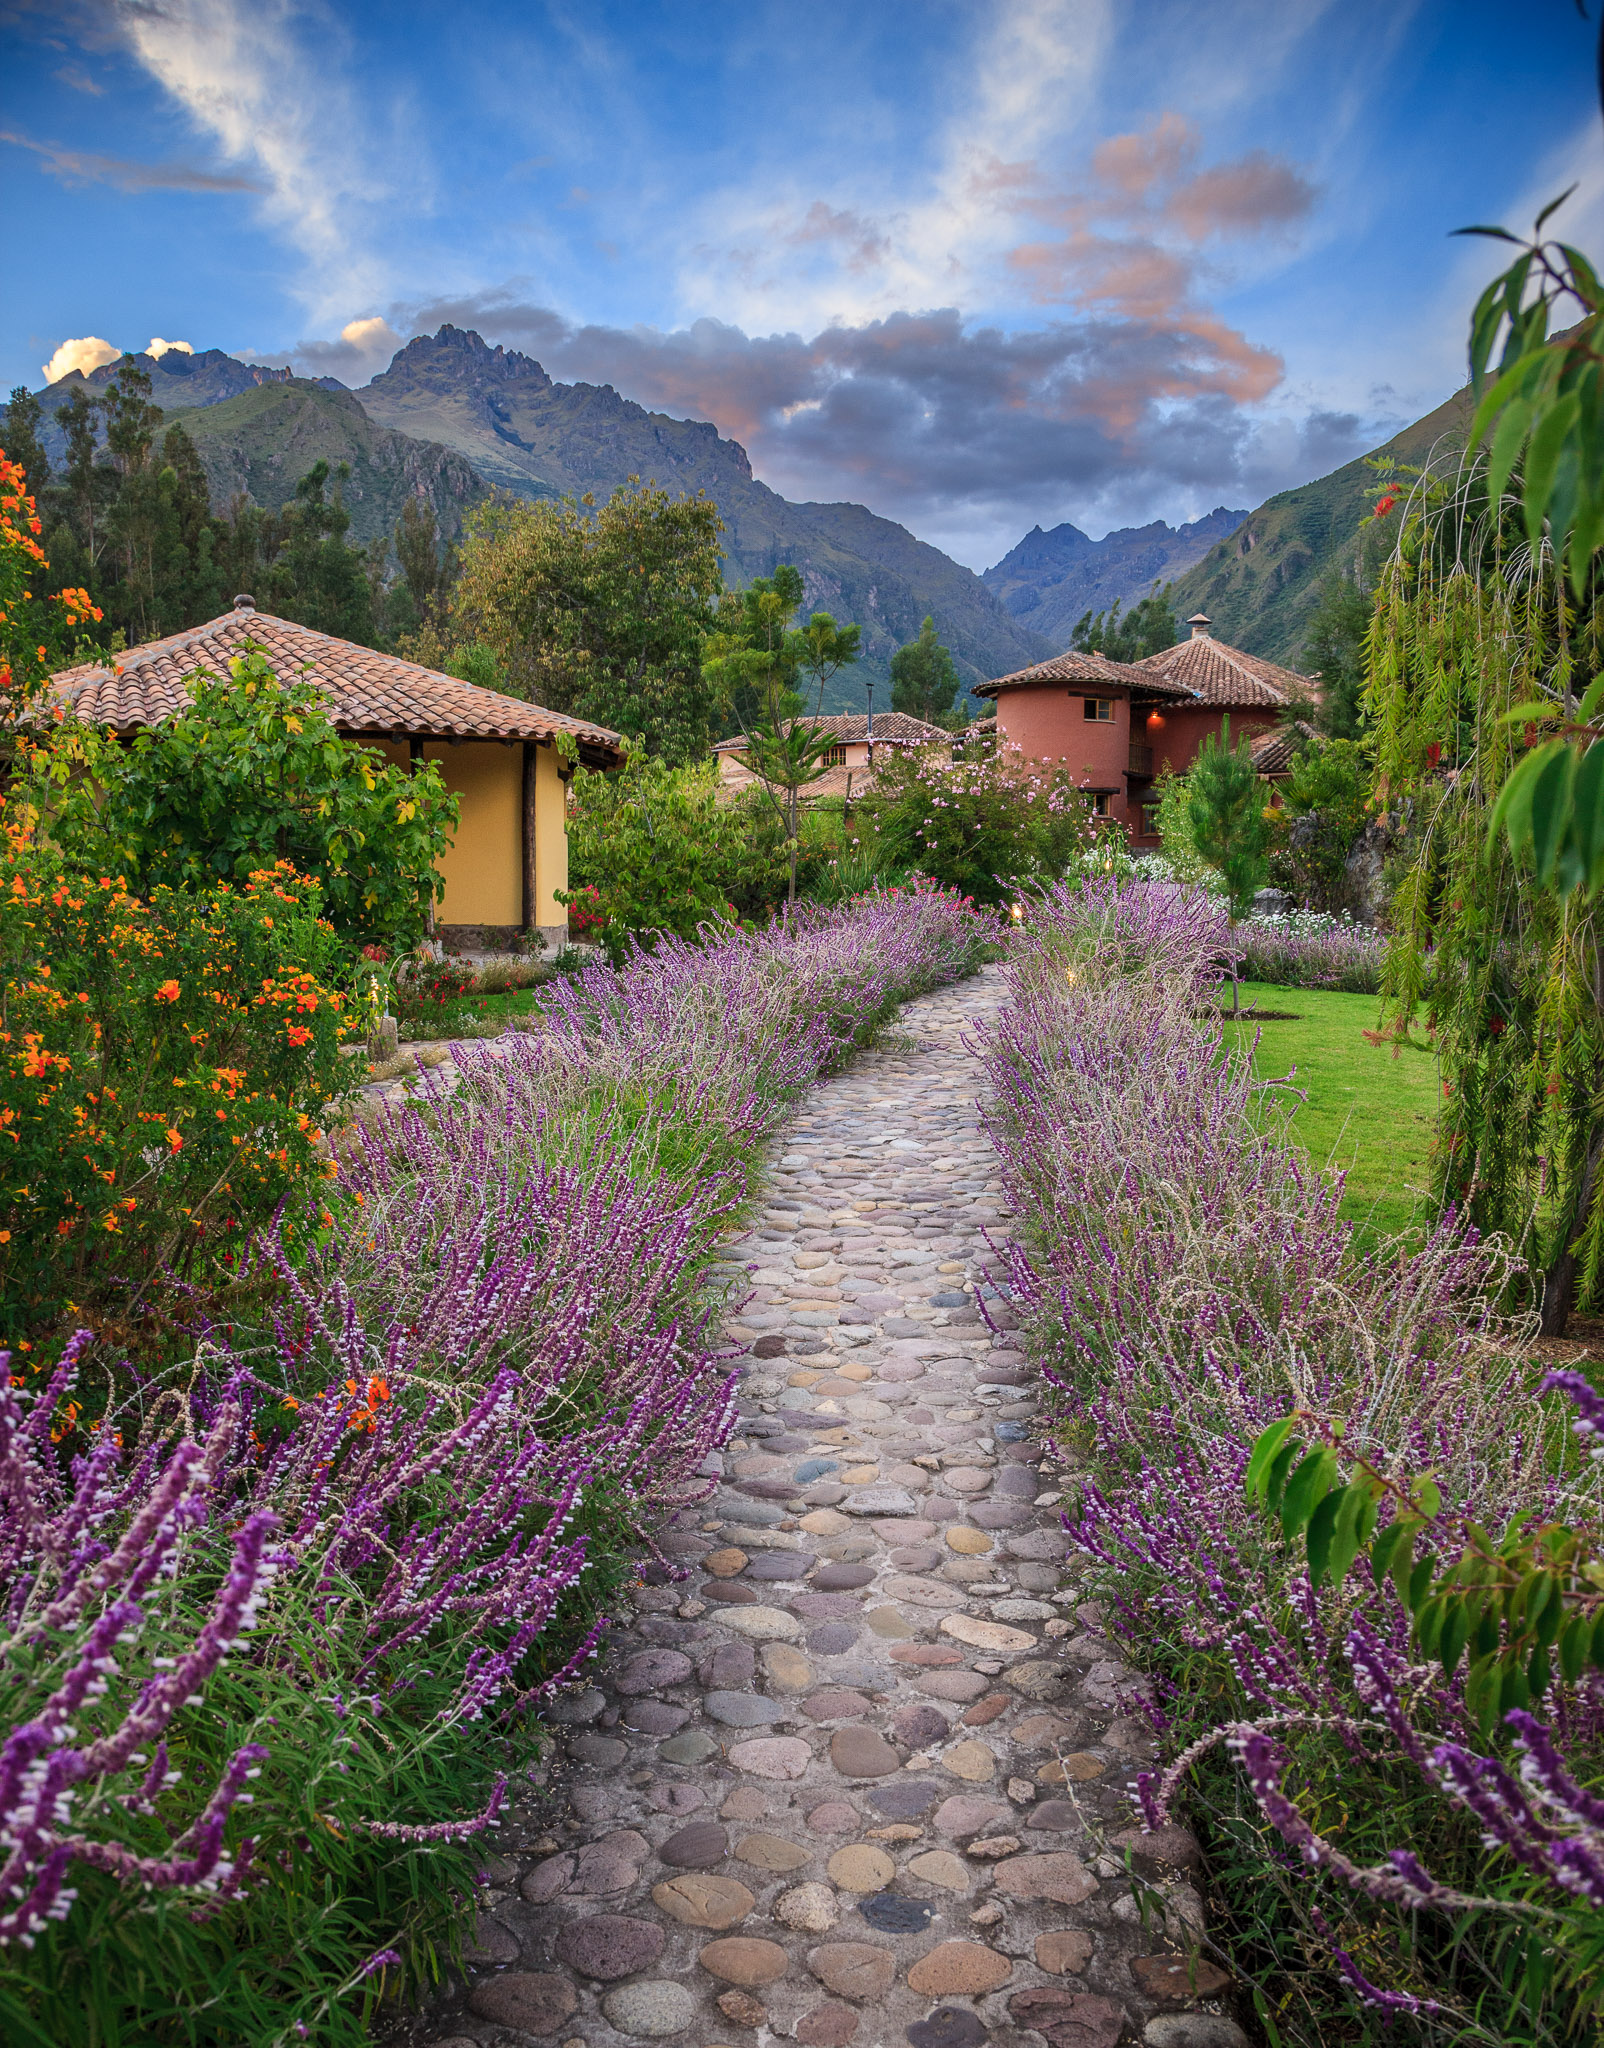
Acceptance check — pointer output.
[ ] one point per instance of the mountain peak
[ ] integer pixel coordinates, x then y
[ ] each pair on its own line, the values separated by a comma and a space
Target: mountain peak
1050, 579
458, 355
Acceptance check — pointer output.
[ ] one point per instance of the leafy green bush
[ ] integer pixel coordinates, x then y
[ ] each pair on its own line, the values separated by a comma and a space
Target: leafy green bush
251, 771
1326, 796
164, 1066
651, 849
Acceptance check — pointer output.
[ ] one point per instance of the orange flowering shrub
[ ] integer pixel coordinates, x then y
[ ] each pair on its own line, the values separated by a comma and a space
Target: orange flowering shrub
165, 1065
33, 631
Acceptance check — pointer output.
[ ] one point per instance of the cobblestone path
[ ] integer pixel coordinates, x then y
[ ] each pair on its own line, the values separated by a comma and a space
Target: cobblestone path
861, 1777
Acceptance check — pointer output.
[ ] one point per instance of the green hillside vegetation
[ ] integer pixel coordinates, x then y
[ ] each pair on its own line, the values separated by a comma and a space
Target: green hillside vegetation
261, 443
1261, 585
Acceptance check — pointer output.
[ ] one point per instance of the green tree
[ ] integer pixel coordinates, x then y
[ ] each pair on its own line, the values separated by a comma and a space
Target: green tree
924, 678
314, 575
1147, 628
417, 550
1334, 650
249, 772
21, 438
1225, 813
601, 611
754, 662
86, 484
1329, 787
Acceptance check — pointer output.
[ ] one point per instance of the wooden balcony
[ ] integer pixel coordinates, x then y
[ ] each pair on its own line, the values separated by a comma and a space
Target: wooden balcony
1140, 761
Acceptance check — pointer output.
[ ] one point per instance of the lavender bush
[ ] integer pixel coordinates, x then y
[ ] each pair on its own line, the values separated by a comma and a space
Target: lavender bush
1307, 949
278, 1622
1188, 1283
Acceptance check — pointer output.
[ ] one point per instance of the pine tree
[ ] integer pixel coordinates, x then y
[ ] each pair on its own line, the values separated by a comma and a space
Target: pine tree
924, 678
1225, 811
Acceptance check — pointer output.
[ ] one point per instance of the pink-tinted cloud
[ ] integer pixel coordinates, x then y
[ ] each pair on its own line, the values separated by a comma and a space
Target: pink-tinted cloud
1129, 242
1256, 193
934, 420
864, 243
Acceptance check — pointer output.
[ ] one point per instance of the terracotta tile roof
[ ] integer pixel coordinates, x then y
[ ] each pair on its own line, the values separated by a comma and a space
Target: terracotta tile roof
894, 727
1216, 674
734, 777
1094, 669
1272, 751
369, 692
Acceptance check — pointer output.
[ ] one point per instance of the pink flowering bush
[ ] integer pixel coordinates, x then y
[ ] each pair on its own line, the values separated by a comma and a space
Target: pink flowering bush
984, 824
1186, 1284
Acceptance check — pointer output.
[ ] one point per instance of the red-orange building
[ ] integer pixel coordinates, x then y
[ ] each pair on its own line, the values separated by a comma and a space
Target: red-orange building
1117, 725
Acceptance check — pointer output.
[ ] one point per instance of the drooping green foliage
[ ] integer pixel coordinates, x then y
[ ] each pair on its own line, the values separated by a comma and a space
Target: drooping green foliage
1147, 628
249, 772
1473, 625
924, 678
600, 611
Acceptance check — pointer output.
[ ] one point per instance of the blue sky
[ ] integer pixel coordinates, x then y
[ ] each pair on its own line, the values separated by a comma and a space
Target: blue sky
976, 265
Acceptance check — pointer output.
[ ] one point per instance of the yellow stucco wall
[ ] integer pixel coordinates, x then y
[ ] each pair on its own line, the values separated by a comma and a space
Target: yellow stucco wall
484, 869
483, 866
551, 838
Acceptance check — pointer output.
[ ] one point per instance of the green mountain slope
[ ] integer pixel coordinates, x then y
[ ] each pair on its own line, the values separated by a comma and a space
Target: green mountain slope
264, 440
1260, 585
537, 439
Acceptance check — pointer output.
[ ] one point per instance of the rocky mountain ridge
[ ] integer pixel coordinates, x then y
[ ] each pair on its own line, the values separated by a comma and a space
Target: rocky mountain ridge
455, 418
1048, 581
535, 438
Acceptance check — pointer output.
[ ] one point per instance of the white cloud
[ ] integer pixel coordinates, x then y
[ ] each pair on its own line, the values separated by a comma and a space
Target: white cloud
241, 72
158, 348
88, 352
371, 335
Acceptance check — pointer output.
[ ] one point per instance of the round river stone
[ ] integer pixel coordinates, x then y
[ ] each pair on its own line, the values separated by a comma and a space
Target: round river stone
918, 1725
609, 1945
746, 1960
949, 2026
529, 2001
863, 1753
742, 1709
959, 1969
697, 1847
853, 1969
772, 1756
653, 2009
648, 1669
696, 1901
861, 1868
904, 1798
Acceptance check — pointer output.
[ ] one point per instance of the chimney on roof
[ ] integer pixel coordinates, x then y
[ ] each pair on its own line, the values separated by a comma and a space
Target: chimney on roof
245, 603
1200, 623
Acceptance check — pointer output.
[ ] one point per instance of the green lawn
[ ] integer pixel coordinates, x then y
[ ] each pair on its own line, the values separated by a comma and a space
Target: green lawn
446, 1020
1368, 1110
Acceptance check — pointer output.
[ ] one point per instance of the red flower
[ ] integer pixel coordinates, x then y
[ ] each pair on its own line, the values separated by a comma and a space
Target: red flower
1385, 504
